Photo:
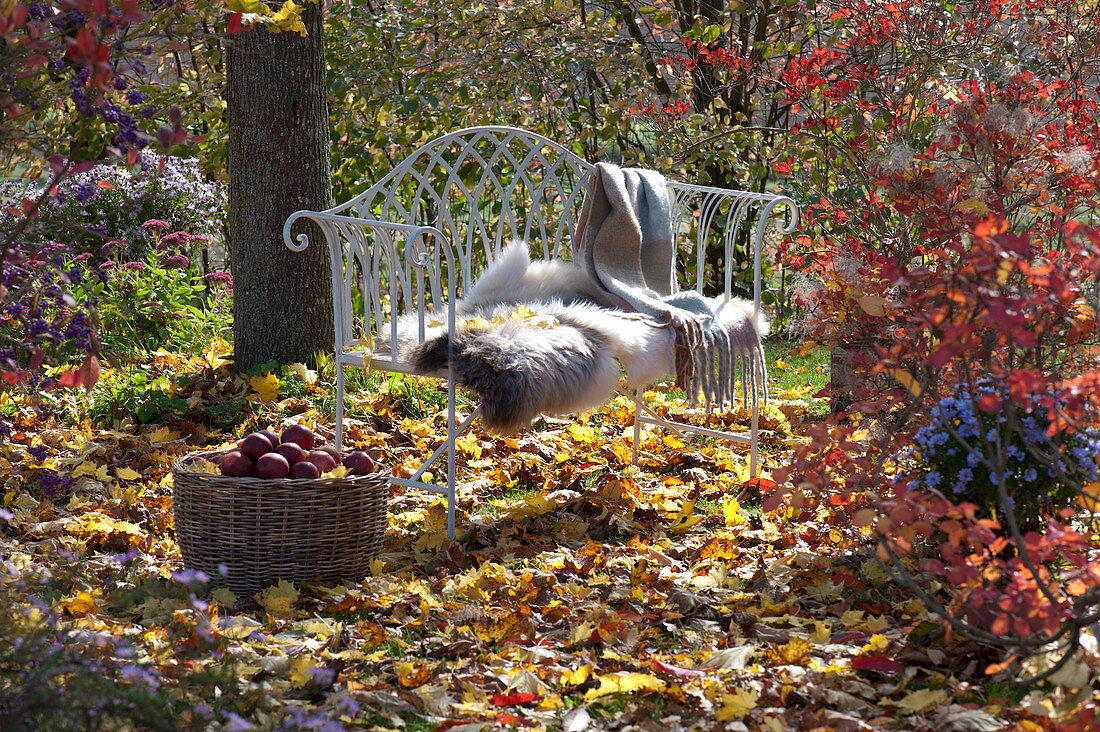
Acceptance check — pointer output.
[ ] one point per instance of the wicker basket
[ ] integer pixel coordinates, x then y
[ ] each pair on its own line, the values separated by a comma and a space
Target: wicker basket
264, 530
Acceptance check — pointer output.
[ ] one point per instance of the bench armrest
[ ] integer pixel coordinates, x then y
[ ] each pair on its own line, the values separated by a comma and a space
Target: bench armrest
427, 255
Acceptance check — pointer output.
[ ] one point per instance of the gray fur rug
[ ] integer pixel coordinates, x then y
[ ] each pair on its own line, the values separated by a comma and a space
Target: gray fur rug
537, 338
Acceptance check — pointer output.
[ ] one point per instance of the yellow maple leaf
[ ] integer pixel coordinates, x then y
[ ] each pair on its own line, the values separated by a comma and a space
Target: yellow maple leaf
468, 445
877, 623
673, 442
732, 512
98, 523
266, 386
428, 544
476, 323
125, 473
851, 618
412, 674
821, 634
82, 603
435, 518
625, 682
289, 9
279, 599
577, 676
534, 505
685, 519
307, 375
922, 699
247, 6
163, 434
300, 670
582, 434
736, 705
202, 466
88, 467
216, 354
877, 644
795, 653
418, 427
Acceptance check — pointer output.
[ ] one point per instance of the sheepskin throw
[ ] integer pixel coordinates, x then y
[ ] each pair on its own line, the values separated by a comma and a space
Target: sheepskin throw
539, 337
626, 244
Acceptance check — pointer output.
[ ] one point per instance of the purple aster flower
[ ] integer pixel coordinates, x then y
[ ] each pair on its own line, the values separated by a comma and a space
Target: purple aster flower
84, 191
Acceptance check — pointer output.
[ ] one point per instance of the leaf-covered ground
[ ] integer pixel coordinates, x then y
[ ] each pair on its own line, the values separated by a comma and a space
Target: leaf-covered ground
582, 592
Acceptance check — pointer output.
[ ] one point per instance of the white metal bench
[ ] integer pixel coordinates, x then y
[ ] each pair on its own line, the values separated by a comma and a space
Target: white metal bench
416, 239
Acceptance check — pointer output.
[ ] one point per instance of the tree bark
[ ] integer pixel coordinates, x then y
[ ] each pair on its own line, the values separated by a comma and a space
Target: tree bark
277, 107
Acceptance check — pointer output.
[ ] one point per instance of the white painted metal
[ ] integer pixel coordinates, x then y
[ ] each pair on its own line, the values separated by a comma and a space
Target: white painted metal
413, 241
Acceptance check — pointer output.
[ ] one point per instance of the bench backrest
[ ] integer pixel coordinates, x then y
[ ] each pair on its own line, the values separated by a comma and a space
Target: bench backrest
484, 187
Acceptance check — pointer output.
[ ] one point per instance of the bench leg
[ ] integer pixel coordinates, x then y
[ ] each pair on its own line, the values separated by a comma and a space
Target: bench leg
637, 423
339, 406
754, 435
452, 436
450, 491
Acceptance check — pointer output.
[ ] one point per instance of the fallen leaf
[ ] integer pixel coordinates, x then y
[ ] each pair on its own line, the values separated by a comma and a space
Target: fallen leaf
125, 473
685, 519
736, 705
279, 599
922, 700
736, 657
877, 663
266, 386
625, 682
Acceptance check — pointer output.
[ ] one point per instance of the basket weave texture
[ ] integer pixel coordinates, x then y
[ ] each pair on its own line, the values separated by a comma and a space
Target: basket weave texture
265, 530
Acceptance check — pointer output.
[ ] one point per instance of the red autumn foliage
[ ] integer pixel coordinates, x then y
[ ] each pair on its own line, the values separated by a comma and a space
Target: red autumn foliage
952, 234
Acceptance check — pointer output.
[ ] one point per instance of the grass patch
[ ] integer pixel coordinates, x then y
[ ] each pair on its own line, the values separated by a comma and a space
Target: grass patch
797, 371
794, 365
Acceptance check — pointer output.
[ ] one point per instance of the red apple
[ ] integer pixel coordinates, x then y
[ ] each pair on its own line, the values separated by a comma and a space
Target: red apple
304, 469
322, 460
359, 463
271, 435
301, 435
255, 445
292, 452
272, 465
236, 465
331, 450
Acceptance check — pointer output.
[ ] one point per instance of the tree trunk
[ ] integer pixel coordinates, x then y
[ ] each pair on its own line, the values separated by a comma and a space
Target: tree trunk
278, 164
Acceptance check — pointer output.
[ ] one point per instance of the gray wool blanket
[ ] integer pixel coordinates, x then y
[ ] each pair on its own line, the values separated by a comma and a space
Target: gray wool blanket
626, 244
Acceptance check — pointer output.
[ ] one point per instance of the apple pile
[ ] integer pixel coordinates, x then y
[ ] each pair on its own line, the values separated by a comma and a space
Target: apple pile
294, 454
